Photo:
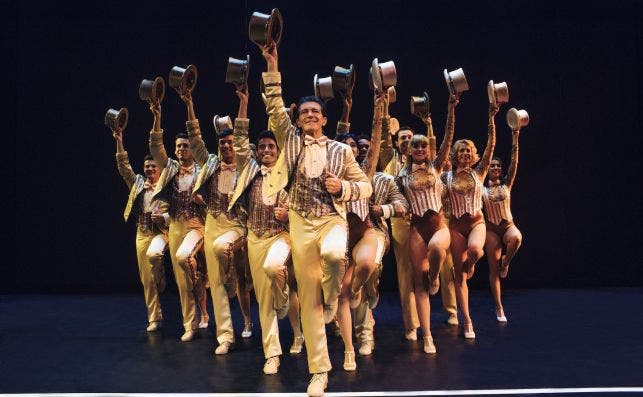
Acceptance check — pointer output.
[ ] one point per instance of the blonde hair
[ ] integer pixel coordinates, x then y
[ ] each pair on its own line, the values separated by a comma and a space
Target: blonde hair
453, 156
417, 138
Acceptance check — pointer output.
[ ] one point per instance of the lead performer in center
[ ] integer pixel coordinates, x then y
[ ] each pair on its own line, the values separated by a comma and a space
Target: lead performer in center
322, 176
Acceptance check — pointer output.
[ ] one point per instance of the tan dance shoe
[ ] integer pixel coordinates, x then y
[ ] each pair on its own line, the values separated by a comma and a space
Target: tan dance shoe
349, 361
318, 383
271, 366
453, 319
247, 330
153, 326
366, 348
411, 334
223, 348
187, 336
297, 345
429, 347
468, 331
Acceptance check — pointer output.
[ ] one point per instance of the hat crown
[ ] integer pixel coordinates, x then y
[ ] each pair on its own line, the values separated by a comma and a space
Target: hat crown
152, 90
116, 119
456, 81
323, 87
263, 27
237, 71
221, 123
516, 119
183, 79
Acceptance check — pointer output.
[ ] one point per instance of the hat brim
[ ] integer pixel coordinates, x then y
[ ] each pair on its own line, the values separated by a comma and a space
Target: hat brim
376, 75
491, 93
447, 80
316, 85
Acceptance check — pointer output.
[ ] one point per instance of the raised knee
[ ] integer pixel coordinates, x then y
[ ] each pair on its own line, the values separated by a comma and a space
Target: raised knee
154, 256
333, 256
474, 253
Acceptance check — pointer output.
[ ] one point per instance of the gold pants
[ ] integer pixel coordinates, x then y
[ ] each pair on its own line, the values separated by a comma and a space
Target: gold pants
319, 260
401, 228
268, 256
150, 246
447, 285
185, 240
220, 234
363, 320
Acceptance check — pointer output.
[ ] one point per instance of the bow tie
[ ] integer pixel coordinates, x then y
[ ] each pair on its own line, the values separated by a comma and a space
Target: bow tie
265, 170
416, 167
228, 167
495, 183
467, 170
186, 170
148, 185
321, 141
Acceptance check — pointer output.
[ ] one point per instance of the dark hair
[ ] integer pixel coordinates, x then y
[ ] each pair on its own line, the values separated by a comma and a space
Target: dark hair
224, 133
498, 159
343, 137
402, 128
267, 134
148, 157
311, 98
181, 135
363, 136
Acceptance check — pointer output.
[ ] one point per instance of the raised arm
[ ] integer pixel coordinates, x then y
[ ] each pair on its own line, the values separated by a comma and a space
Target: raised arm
483, 167
122, 160
241, 142
197, 146
344, 125
513, 166
449, 130
372, 155
431, 136
386, 144
279, 120
157, 149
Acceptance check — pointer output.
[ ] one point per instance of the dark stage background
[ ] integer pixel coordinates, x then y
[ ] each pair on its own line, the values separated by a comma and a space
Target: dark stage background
574, 66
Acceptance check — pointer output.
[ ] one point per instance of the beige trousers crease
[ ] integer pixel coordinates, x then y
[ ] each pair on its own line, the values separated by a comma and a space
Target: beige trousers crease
363, 320
400, 230
148, 247
220, 234
318, 253
184, 243
268, 256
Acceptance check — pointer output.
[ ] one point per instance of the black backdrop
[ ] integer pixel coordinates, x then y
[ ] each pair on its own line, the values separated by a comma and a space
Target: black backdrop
574, 66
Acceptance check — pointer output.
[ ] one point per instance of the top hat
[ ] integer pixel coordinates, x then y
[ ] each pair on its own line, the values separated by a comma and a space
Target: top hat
221, 123
516, 119
498, 93
264, 28
456, 81
344, 80
183, 80
237, 71
420, 105
323, 88
392, 95
152, 91
116, 119
383, 75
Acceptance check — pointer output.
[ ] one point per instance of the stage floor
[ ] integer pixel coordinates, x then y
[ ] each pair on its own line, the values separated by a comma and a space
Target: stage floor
98, 344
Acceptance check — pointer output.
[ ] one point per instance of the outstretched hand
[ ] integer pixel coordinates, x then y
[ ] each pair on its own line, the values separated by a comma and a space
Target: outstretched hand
454, 100
242, 93
187, 97
155, 108
118, 134
493, 109
269, 52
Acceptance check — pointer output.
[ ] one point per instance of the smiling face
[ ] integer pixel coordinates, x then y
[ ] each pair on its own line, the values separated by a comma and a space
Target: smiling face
403, 140
310, 119
151, 170
419, 145
267, 151
353, 145
225, 149
464, 154
363, 145
495, 170
182, 150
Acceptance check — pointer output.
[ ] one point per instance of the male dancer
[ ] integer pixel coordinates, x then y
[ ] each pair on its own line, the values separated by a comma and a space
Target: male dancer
323, 175
186, 221
225, 229
151, 229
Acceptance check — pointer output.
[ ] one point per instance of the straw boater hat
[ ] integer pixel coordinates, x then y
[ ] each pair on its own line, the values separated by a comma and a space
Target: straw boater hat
420, 105
263, 28
237, 71
383, 75
456, 81
344, 80
323, 88
516, 119
183, 80
116, 119
498, 93
221, 123
152, 91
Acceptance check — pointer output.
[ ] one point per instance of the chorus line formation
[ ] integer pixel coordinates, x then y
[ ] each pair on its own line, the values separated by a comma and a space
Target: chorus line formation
304, 219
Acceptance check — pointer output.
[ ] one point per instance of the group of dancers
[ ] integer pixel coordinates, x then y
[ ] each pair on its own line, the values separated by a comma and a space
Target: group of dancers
302, 219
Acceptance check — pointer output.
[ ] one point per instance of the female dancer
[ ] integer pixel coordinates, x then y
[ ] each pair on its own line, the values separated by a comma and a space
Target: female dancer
429, 237
500, 226
362, 243
466, 225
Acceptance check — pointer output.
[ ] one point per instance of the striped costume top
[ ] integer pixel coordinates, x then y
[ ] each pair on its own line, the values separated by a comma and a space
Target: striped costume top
497, 203
385, 194
465, 192
422, 188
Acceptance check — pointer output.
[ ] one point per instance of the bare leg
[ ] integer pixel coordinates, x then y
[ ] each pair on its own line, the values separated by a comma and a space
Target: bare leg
418, 252
513, 240
494, 250
364, 255
459, 252
474, 246
345, 321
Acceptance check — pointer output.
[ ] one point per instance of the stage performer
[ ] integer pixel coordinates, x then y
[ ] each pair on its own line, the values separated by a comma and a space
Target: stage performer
323, 175
499, 222
465, 187
151, 227
185, 233
429, 236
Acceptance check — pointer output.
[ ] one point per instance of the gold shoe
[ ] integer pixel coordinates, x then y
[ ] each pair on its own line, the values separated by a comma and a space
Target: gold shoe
223, 348
453, 319
187, 336
153, 326
411, 334
318, 383
271, 366
429, 347
366, 348
349, 361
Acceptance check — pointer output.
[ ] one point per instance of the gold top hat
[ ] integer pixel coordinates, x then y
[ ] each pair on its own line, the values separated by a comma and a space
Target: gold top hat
383, 75
516, 119
344, 80
237, 71
498, 93
221, 123
420, 105
116, 119
152, 91
183, 80
392, 95
264, 28
323, 88
456, 81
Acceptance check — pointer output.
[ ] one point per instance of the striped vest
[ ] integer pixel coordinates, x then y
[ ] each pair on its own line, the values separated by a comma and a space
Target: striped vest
423, 189
497, 204
261, 216
465, 192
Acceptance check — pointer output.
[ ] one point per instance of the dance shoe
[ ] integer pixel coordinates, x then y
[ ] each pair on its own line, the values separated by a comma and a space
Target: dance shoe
453, 319
429, 347
153, 326
500, 316
411, 334
247, 330
223, 348
187, 336
349, 361
297, 345
271, 366
366, 348
434, 286
468, 331
318, 383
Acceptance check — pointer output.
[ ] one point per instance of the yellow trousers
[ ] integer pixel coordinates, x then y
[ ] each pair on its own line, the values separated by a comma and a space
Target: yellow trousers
268, 256
319, 260
185, 241
447, 285
401, 228
220, 234
150, 246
